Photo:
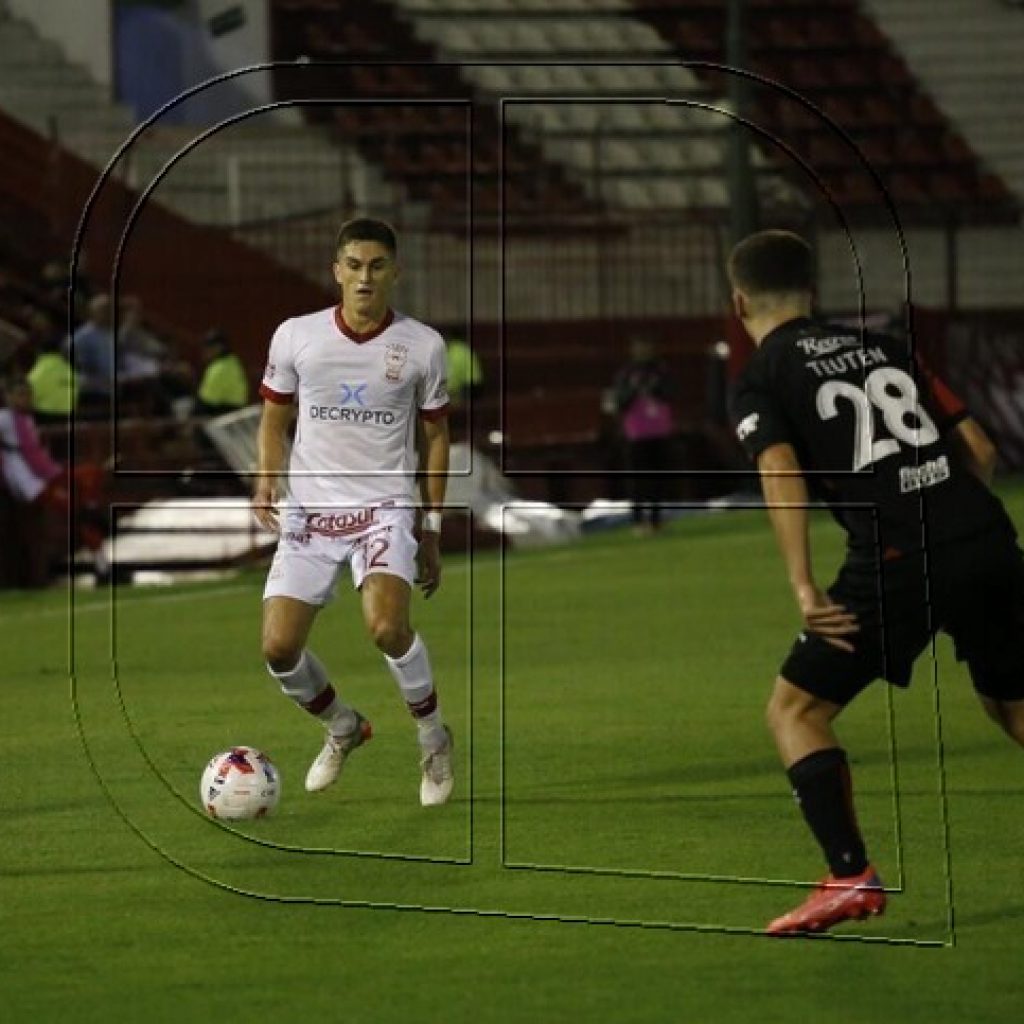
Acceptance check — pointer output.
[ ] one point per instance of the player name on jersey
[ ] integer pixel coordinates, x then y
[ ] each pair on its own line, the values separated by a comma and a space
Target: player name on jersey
869, 426
825, 361
860, 359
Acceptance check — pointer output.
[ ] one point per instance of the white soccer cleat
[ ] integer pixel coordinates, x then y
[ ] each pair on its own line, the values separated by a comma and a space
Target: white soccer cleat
324, 771
438, 775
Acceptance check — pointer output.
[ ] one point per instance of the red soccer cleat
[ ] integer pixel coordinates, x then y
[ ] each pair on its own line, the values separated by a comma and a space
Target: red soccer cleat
834, 900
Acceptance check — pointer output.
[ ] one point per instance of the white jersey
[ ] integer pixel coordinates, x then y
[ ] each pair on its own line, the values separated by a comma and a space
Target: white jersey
358, 398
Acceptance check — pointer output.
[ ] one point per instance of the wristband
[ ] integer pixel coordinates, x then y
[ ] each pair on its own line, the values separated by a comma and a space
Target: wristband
431, 522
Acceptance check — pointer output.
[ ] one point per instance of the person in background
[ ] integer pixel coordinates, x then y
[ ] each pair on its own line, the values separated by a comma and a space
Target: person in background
151, 378
51, 377
91, 350
465, 382
30, 475
223, 386
465, 375
27, 466
56, 287
39, 487
642, 392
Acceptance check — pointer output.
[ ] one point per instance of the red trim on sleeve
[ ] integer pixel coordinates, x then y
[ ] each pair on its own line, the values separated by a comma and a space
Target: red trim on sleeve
946, 400
945, 403
359, 339
435, 414
277, 397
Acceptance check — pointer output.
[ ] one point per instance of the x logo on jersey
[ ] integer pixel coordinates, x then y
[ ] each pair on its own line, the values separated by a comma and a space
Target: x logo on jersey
353, 393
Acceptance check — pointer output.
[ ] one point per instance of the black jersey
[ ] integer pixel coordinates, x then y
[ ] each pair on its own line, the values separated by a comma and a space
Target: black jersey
868, 424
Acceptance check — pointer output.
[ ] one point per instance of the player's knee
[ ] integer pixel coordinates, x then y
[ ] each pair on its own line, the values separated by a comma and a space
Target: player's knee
390, 636
281, 653
788, 705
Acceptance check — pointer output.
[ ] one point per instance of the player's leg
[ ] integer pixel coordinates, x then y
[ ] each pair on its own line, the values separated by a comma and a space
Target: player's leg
300, 582
286, 626
816, 682
287, 622
660, 463
384, 574
817, 768
983, 591
1007, 714
386, 612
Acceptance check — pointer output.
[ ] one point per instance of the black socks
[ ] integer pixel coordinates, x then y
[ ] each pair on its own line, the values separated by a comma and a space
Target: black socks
821, 785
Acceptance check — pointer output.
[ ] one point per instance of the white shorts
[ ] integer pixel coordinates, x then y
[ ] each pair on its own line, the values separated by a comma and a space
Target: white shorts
314, 545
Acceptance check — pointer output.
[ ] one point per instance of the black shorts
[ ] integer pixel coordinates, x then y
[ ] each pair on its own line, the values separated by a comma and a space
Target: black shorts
973, 590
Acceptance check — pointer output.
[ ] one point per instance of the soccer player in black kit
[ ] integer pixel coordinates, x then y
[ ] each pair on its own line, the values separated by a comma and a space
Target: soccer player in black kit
852, 419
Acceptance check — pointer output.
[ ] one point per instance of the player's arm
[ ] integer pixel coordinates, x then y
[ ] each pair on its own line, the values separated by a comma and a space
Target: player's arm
433, 461
954, 421
975, 449
786, 497
271, 448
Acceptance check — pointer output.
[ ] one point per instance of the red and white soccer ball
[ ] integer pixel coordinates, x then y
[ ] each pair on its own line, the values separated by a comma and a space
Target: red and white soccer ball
240, 783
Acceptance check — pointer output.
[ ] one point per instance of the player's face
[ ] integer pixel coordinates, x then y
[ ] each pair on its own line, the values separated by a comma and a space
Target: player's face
366, 273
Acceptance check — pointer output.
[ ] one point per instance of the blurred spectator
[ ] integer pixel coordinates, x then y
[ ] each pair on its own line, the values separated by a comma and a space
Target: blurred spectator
15, 348
35, 499
140, 353
51, 377
465, 376
29, 475
642, 400
149, 375
91, 350
56, 282
27, 466
223, 386
146, 373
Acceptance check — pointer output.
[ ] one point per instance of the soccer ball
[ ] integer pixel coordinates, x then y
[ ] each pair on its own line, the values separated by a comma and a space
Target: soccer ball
240, 783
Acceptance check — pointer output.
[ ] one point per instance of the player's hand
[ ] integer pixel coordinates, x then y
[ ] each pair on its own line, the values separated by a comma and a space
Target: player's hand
832, 622
264, 505
428, 563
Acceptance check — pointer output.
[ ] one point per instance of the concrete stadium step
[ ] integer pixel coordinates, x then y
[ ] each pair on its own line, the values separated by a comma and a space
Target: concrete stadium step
245, 174
967, 55
56, 95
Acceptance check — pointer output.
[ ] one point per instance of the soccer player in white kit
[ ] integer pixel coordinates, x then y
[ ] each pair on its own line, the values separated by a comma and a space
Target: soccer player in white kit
368, 386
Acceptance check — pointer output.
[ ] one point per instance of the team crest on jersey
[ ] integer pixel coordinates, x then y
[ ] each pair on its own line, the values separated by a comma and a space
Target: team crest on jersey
395, 356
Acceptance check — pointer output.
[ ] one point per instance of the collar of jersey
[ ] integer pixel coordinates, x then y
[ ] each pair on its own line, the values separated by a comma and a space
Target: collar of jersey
359, 339
785, 329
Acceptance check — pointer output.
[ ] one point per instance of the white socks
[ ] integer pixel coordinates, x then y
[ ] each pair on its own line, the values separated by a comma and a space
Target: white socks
307, 684
416, 683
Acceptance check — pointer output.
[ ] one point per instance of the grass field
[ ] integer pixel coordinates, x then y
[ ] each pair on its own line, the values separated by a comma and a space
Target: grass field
621, 830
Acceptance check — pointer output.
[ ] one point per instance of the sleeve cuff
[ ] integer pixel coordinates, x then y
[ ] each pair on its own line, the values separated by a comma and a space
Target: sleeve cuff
277, 397
435, 414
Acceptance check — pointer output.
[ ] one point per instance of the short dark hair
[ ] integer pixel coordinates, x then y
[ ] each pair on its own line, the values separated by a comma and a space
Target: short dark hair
772, 263
367, 229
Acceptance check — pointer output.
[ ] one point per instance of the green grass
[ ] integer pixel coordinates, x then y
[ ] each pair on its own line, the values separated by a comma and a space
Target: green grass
626, 831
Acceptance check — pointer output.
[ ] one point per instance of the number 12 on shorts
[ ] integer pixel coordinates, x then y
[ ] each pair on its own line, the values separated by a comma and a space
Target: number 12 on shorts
376, 549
